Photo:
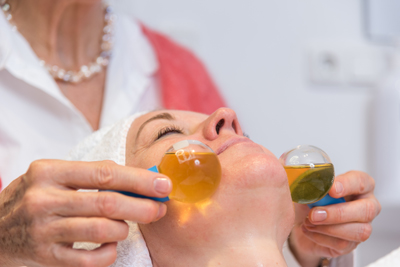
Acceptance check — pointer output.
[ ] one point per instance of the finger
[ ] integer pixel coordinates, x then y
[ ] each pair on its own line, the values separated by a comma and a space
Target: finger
357, 232
96, 230
330, 246
109, 205
105, 255
361, 210
102, 175
352, 183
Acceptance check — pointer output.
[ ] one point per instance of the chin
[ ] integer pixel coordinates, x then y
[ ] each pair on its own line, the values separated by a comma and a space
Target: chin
253, 169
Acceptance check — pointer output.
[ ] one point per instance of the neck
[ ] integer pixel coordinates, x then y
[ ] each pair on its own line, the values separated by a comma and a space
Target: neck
65, 33
255, 252
219, 241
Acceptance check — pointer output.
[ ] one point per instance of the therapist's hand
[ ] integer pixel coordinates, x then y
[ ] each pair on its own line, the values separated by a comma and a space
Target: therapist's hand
42, 213
336, 230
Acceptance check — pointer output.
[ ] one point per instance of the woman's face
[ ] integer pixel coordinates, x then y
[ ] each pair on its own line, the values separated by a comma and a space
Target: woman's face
253, 195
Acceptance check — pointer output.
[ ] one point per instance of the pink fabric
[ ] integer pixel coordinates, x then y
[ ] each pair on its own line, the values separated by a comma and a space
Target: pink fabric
185, 83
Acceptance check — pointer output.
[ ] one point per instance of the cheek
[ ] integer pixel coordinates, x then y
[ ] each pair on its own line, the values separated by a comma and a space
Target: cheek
145, 160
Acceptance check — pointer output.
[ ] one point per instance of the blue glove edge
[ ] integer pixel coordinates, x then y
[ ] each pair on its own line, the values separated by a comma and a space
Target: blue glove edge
326, 200
130, 194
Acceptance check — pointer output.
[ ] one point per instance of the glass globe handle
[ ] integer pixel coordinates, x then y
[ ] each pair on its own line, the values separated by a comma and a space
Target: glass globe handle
325, 201
130, 194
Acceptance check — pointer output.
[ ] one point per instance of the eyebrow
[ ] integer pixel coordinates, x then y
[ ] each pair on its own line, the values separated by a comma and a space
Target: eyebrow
161, 116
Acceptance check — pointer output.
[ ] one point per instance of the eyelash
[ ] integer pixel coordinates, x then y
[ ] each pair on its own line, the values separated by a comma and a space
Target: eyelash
169, 129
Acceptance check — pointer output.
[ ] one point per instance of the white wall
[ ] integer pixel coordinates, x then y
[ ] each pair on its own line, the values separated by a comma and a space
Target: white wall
257, 52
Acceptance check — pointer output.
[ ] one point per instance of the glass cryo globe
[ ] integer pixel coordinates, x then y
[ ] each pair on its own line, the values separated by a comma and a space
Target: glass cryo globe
194, 170
310, 173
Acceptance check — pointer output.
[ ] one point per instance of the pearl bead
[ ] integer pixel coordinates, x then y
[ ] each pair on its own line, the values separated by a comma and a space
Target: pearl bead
99, 60
6, 7
61, 73
107, 29
107, 37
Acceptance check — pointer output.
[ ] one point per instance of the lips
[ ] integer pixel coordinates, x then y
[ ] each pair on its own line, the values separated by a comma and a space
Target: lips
231, 142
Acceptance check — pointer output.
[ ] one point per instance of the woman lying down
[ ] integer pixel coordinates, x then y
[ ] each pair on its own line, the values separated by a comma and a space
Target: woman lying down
245, 223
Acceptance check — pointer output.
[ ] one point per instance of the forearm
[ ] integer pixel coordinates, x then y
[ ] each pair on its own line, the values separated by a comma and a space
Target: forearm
10, 241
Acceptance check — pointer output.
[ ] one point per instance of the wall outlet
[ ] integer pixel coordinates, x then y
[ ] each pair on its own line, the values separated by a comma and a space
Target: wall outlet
347, 65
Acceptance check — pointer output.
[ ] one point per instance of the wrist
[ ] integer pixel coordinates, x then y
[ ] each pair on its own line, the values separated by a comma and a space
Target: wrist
302, 257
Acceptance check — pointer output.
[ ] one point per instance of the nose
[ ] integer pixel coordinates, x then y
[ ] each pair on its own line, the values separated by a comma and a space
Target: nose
222, 120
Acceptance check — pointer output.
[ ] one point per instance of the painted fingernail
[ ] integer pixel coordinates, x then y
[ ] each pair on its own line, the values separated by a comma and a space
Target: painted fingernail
319, 215
162, 185
339, 187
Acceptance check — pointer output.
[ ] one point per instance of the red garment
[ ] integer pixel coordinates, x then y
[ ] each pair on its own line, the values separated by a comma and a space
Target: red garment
185, 83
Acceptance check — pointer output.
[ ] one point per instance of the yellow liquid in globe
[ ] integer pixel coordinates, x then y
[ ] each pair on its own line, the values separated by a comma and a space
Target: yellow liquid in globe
308, 185
195, 175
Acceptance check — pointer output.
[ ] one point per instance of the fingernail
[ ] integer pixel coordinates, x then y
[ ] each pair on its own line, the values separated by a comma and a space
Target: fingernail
162, 185
162, 210
339, 187
319, 215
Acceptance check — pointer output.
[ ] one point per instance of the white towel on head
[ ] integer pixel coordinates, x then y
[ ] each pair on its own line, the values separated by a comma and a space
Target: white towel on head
110, 144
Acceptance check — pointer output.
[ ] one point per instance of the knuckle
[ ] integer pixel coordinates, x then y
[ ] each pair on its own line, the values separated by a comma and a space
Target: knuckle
104, 173
106, 204
97, 231
340, 213
39, 169
342, 245
369, 211
364, 232
379, 208
361, 184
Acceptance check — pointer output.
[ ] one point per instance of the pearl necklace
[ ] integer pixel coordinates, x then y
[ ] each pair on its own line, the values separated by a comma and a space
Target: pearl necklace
86, 71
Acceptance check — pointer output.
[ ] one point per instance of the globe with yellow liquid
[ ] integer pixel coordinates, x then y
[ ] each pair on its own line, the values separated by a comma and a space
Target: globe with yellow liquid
194, 170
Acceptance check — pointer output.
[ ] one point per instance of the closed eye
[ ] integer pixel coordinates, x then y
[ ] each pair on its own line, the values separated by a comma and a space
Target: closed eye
169, 130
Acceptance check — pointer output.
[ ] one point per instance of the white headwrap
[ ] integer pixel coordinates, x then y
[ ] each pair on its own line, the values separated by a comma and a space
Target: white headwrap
110, 144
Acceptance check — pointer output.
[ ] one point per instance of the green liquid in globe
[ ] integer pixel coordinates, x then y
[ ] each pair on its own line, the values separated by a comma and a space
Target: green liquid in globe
309, 184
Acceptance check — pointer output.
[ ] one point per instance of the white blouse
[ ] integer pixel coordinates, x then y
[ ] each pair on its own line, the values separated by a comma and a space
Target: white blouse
37, 121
